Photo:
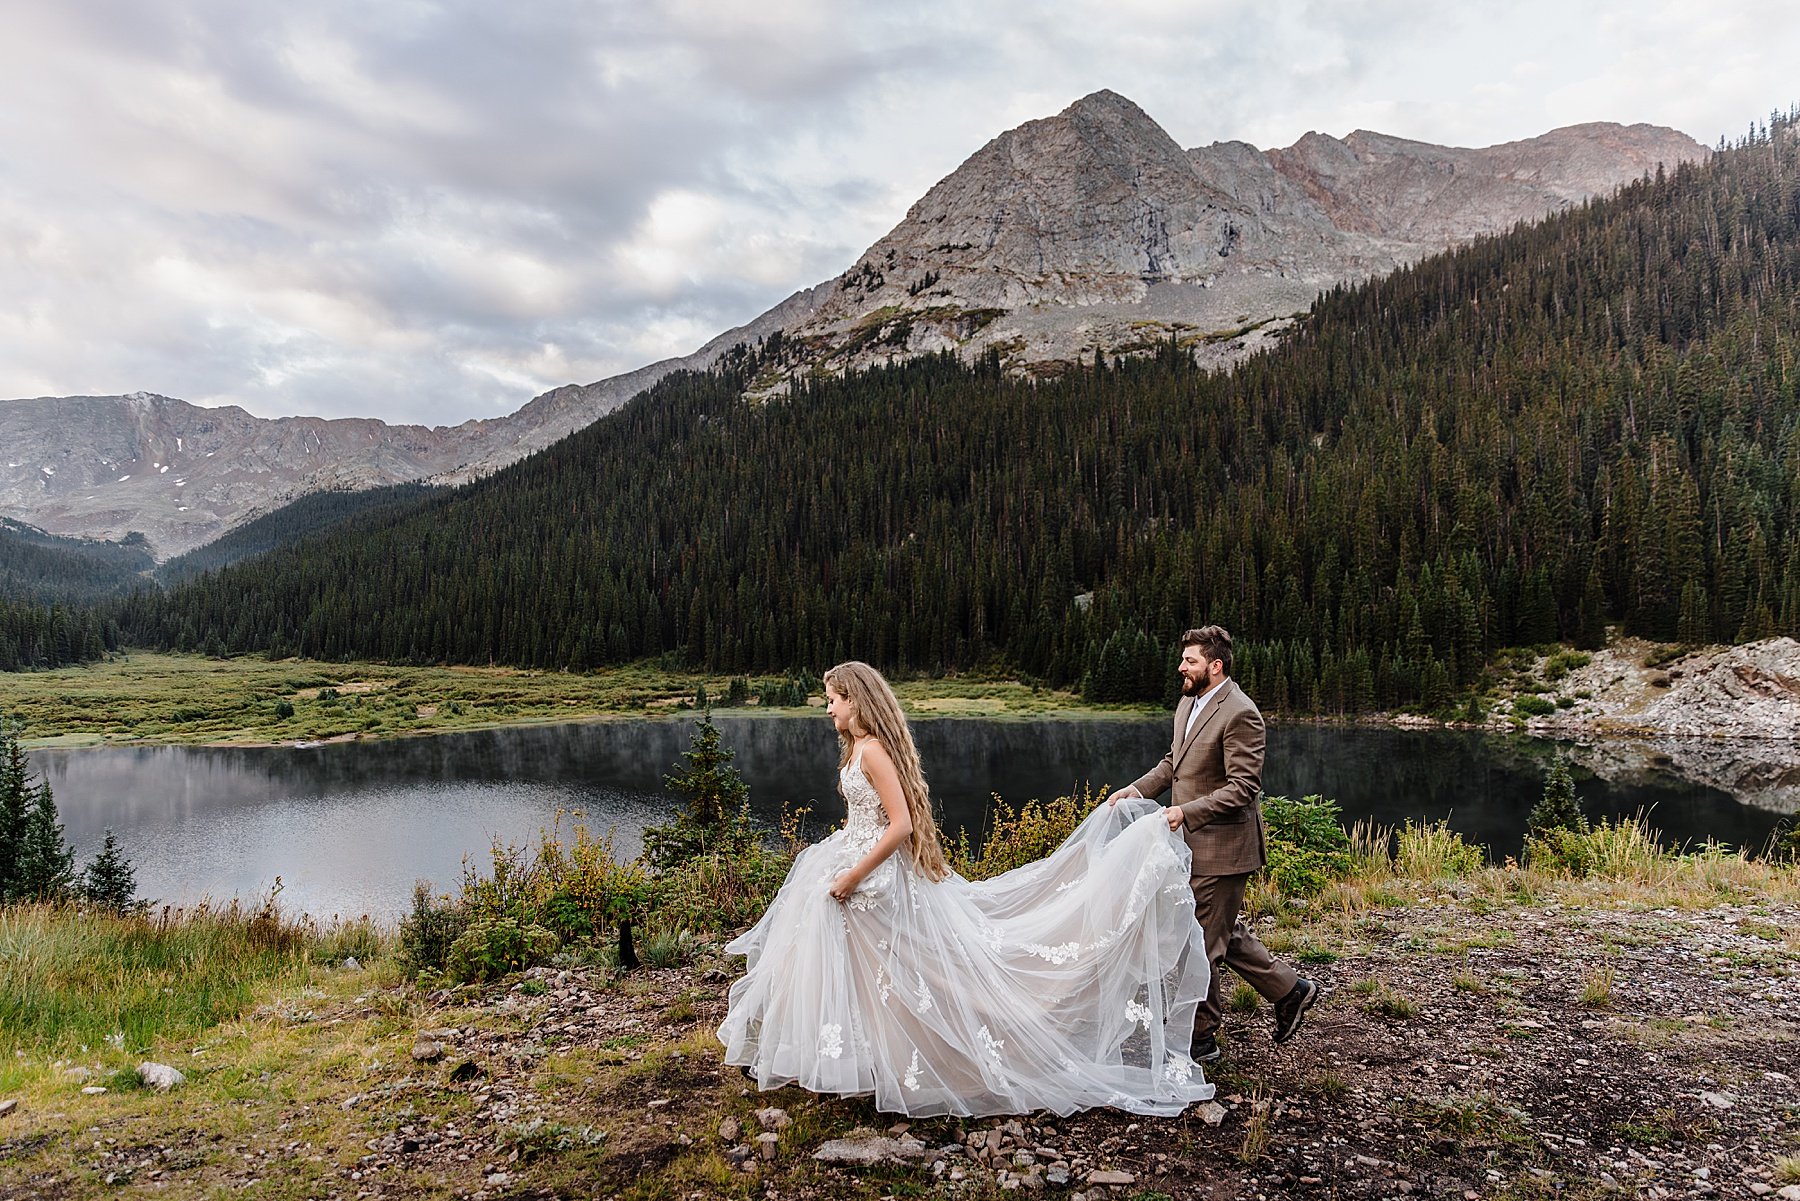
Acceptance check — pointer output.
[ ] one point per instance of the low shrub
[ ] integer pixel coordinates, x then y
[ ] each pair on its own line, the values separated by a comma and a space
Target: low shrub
1563, 662
1533, 706
565, 916
494, 947
1784, 842
1628, 849
1307, 847
716, 893
1020, 835
427, 933
1432, 850
666, 947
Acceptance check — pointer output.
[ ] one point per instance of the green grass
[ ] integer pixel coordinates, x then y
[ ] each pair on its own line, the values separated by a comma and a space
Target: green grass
1244, 999
152, 698
1383, 1001
72, 980
1597, 989
1432, 850
1475, 1117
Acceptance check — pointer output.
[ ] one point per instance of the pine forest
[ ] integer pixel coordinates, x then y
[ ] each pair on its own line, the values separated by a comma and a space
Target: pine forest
1592, 420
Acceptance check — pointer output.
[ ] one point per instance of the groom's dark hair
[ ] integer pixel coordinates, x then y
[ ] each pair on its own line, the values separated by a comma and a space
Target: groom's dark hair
1214, 642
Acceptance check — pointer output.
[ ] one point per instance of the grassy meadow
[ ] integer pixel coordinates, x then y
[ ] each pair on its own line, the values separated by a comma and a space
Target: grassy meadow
146, 698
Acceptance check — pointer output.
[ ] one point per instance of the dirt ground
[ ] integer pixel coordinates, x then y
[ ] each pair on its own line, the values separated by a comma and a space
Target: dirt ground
1466, 1049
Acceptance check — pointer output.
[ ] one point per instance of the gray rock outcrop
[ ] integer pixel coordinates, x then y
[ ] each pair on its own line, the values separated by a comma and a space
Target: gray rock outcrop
1724, 716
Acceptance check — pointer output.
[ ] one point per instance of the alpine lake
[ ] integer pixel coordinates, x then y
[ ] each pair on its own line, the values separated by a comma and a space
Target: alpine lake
348, 827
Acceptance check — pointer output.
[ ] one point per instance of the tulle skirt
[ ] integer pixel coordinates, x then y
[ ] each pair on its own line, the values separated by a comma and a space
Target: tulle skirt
1069, 983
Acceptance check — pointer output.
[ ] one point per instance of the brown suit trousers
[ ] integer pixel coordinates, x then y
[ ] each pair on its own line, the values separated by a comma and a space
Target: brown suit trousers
1214, 776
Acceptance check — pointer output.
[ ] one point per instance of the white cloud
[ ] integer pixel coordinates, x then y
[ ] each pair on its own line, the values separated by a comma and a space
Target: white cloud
433, 210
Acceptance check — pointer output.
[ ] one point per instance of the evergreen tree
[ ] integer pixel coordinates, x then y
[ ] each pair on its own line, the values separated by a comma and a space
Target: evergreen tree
46, 864
1590, 614
15, 808
715, 813
109, 881
1559, 809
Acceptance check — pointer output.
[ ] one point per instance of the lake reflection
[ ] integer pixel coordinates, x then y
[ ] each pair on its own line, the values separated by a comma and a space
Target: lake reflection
349, 826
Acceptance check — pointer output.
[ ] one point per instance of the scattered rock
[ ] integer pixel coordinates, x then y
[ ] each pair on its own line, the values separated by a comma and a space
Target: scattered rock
8, 1106
870, 1149
765, 1144
773, 1118
160, 1076
1056, 1174
1790, 1193
729, 1129
1717, 1100
93, 1090
1211, 1112
351, 964
426, 1050
1110, 1176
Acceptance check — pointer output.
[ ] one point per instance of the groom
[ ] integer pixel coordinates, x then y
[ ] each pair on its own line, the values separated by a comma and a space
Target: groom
1215, 766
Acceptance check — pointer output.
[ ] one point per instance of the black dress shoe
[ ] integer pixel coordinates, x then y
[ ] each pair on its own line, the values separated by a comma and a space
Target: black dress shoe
1292, 1008
1204, 1050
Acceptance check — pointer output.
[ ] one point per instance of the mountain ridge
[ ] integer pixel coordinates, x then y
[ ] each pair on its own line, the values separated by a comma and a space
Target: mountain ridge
1087, 231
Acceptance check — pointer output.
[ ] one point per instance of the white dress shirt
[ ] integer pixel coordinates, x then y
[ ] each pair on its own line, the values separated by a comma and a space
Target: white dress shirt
1199, 704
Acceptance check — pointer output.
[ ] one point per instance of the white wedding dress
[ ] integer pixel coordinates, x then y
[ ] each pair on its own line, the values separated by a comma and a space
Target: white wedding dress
1062, 985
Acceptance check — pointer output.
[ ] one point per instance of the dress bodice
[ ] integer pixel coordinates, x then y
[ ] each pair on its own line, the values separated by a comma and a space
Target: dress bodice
864, 817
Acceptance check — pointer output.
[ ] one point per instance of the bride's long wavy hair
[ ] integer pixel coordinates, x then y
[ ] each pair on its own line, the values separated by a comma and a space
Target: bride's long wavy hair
878, 711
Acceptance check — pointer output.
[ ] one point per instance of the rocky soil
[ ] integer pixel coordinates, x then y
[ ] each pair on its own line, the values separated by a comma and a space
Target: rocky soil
1469, 1047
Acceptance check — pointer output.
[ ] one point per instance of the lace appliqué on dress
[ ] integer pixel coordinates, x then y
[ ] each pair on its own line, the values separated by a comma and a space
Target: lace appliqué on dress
1061, 953
831, 1040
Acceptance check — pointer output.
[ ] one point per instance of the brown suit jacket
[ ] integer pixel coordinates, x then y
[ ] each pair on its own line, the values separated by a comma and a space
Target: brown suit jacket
1216, 777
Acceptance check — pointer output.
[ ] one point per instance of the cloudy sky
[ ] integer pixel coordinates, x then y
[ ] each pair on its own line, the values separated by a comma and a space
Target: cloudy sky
430, 211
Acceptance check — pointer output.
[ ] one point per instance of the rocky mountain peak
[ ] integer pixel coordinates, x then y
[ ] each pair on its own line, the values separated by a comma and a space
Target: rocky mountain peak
1093, 230
1090, 230
1091, 205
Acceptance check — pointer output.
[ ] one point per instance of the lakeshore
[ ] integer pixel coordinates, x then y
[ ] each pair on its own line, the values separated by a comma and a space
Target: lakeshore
1703, 704
145, 698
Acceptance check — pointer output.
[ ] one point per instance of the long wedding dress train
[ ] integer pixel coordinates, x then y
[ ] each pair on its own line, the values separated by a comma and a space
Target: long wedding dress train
1065, 984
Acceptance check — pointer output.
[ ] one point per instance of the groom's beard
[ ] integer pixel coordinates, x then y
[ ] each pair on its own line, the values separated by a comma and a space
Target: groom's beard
1192, 687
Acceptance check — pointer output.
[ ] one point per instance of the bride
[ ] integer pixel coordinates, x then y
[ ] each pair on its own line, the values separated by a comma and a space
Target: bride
1068, 983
